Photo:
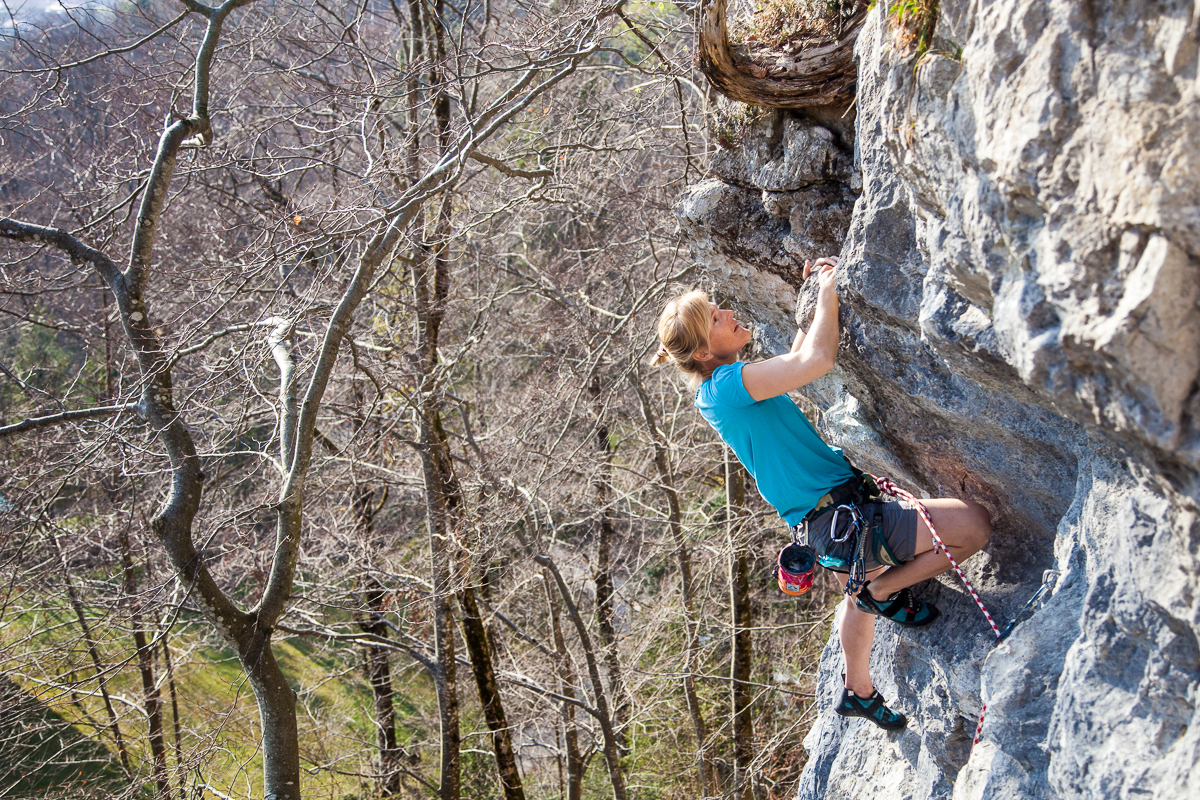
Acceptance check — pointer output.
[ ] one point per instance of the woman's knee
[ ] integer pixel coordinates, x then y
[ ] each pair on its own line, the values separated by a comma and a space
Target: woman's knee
982, 524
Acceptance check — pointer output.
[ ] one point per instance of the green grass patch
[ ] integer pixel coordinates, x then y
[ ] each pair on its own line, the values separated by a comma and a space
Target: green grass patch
44, 755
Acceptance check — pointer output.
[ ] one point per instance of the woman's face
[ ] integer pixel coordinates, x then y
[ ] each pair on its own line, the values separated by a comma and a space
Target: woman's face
727, 336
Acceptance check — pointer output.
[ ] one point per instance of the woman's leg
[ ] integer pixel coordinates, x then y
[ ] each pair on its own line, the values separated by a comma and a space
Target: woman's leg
964, 526
856, 630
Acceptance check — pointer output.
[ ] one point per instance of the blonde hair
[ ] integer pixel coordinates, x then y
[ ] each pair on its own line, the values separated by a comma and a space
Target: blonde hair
683, 329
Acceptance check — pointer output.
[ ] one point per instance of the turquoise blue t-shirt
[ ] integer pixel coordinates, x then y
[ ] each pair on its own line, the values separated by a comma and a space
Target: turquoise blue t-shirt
791, 464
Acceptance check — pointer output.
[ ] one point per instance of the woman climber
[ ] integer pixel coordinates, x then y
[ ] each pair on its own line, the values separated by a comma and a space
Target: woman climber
811, 485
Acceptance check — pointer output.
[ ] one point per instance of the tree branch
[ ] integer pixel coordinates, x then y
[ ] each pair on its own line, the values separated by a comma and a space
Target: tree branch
280, 343
112, 51
196, 129
32, 423
207, 340
512, 172
199, 8
611, 755
562, 698
512, 626
20, 231
371, 639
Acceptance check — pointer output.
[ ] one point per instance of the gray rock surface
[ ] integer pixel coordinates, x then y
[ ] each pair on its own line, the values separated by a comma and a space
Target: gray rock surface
1020, 326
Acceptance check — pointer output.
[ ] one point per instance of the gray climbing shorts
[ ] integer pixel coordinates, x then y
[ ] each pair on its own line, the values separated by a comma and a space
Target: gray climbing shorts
897, 545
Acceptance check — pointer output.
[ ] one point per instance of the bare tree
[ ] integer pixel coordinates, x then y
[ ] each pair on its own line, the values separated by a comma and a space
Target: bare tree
301, 384
401, 278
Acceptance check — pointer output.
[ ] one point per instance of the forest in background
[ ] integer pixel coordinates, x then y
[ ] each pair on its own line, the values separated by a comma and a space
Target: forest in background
329, 462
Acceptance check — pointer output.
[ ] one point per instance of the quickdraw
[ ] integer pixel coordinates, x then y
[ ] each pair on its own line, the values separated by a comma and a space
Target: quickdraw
1049, 578
858, 563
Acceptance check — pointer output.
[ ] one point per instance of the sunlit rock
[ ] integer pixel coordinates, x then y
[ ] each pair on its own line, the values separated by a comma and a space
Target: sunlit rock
1020, 326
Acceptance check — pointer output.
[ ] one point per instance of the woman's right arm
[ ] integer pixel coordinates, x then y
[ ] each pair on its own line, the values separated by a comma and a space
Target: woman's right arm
812, 359
827, 261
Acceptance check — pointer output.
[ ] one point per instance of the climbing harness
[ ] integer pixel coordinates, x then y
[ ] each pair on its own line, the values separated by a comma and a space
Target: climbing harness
846, 501
856, 532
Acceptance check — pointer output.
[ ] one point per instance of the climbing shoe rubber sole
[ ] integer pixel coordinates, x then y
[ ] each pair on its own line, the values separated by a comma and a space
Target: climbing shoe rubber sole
873, 708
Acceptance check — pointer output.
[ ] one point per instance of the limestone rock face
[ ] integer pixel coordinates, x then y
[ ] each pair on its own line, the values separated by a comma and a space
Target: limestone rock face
1021, 327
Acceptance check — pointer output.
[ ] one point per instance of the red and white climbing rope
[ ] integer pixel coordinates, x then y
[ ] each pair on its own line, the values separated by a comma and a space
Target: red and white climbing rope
886, 485
979, 727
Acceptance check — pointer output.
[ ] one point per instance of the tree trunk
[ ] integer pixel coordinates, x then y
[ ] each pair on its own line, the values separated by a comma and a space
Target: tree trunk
819, 73
739, 600
612, 757
662, 463
431, 285
440, 495
566, 684
475, 635
379, 674
375, 659
277, 709
606, 612
446, 676
151, 698
606, 624
175, 723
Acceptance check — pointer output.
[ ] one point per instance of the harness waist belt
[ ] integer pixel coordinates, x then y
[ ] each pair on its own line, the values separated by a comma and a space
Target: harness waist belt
836, 497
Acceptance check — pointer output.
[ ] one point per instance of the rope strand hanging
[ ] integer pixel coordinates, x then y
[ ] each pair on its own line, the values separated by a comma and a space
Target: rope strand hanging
887, 486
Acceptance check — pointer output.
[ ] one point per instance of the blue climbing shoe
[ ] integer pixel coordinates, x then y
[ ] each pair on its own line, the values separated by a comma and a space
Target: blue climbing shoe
873, 708
901, 608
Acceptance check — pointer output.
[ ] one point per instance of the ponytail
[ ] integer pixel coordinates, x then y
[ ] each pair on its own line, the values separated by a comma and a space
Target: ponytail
660, 358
